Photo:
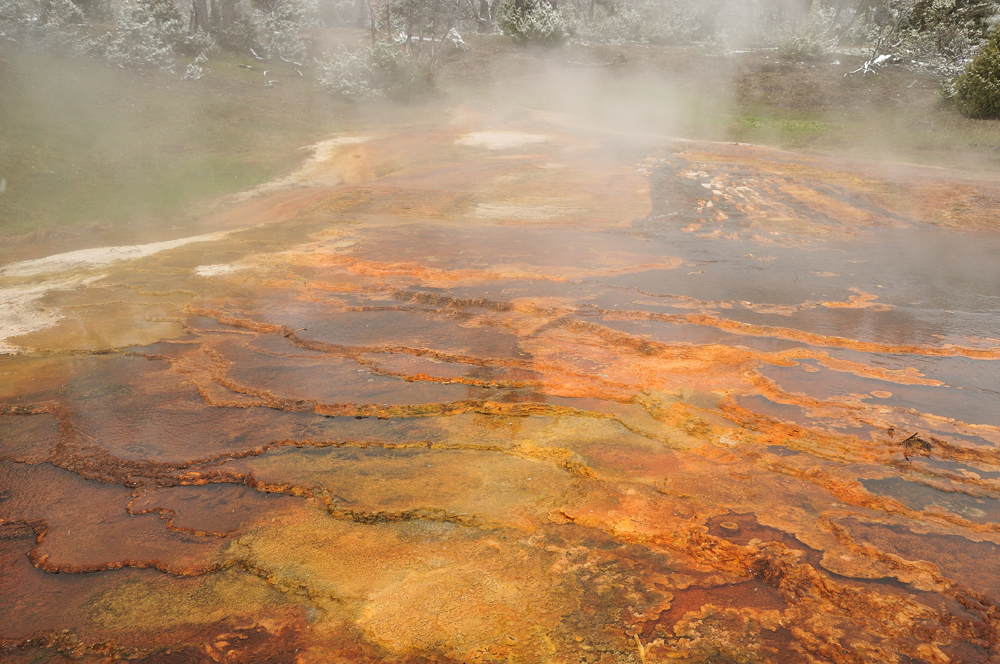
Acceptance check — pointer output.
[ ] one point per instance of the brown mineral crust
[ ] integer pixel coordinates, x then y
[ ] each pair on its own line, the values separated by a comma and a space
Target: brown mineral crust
331, 378
411, 328
908, 376
851, 492
860, 300
350, 351
397, 578
235, 644
748, 528
106, 537
28, 436
586, 349
48, 617
181, 426
439, 300
521, 199
230, 643
843, 447
708, 631
752, 594
411, 368
210, 510
560, 381
614, 460
110, 325
809, 338
521, 482
439, 277
865, 196
800, 584
956, 558
373, 484
602, 574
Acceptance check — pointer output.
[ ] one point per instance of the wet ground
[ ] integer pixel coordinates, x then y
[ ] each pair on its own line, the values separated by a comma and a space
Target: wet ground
505, 389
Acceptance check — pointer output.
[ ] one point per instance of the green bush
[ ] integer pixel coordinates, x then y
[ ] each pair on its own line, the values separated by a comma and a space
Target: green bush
532, 22
977, 91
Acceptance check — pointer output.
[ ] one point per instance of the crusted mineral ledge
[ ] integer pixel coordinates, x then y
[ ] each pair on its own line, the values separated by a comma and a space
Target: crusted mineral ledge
516, 401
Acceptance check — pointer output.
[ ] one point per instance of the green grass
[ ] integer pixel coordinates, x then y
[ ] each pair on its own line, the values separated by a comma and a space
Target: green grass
789, 132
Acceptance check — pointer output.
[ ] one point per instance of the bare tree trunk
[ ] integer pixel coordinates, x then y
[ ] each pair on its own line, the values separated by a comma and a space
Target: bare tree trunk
227, 12
433, 35
199, 16
484, 16
359, 13
371, 14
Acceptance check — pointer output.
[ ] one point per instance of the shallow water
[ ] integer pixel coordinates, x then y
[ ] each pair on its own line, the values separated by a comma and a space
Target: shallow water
533, 396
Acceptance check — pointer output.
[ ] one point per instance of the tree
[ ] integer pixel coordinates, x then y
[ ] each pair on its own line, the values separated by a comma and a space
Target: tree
212, 16
977, 91
532, 21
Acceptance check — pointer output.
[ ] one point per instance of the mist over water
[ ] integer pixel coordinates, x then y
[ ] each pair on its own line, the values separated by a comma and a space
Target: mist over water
552, 367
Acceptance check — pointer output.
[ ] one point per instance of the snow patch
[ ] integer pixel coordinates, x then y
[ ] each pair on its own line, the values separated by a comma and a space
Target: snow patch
20, 312
214, 270
504, 211
84, 259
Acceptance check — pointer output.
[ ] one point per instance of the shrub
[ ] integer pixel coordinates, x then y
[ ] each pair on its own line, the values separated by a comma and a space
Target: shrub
53, 25
96, 10
532, 22
954, 25
242, 33
193, 73
140, 39
371, 73
977, 91
171, 26
813, 38
644, 21
455, 41
281, 27
611, 23
271, 28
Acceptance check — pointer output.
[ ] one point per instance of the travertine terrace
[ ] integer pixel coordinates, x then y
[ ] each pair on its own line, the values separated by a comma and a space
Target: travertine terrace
505, 389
